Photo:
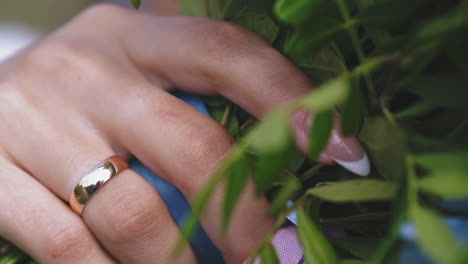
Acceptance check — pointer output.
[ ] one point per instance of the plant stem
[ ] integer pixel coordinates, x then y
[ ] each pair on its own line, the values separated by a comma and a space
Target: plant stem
350, 26
457, 130
319, 67
227, 114
412, 183
388, 114
207, 7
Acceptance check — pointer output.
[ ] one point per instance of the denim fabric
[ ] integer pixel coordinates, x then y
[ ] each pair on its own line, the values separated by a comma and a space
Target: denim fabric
203, 247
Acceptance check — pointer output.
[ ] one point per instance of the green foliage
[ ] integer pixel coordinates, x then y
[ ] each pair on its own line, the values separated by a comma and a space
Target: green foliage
320, 133
317, 249
296, 11
237, 179
14, 256
385, 144
434, 236
354, 191
447, 175
268, 254
136, 3
396, 70
313, 35
353, 110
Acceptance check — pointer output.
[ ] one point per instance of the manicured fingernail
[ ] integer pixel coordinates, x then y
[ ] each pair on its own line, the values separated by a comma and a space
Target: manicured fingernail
346, 151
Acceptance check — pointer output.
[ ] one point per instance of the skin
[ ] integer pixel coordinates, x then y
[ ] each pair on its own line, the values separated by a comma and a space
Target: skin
98, 87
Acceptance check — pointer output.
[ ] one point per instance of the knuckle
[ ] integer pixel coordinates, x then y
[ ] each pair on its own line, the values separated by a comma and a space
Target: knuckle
58, 53
67, 243
135, 216
207, 145
225, 31
219, 38
100, 11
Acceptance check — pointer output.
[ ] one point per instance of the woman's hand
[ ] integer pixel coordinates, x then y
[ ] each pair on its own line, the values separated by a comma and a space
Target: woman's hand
96, 88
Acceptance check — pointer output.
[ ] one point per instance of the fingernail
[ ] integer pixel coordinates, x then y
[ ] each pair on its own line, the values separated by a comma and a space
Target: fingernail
346, 151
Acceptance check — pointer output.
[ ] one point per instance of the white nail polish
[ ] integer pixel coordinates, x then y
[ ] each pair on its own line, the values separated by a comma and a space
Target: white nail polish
360, 167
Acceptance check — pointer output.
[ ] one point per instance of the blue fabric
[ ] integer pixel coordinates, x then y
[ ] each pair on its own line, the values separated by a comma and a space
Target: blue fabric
411, 253
203, 247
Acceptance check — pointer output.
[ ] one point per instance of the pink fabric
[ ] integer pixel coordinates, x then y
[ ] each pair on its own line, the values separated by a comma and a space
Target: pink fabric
287, 246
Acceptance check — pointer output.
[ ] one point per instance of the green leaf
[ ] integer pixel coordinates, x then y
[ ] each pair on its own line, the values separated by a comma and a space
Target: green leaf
448, 163
360, 247
269, 166
447, 174
353, 110
322, 64
296, 11
386, 146
13, 256
448, 90
354, 191
268, 254
313, 34
452, 187
224, 114
389, 14
273, 141
194, 8
415, 110
215, 101
317, 249
236, 181
271, 135
285, 194
136, 3
259, 23
320, 133
460, 258
458, 55
327, 96
433, 235
445, 25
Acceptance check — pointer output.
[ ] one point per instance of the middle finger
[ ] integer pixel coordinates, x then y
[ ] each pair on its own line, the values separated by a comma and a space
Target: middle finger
127, 216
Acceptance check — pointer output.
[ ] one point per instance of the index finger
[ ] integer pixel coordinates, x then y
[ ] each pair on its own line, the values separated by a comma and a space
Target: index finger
213, 57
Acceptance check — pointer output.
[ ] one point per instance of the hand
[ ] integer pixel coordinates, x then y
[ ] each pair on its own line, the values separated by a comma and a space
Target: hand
98, 87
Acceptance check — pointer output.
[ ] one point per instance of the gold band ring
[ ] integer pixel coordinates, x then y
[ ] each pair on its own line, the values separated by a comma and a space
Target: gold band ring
93, 180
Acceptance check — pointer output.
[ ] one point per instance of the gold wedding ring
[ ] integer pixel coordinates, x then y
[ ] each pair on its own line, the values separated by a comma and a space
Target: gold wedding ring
93, 180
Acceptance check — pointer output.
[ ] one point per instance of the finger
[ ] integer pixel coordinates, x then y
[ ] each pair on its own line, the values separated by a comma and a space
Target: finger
132, 223
42, 225
217, 57
169, 135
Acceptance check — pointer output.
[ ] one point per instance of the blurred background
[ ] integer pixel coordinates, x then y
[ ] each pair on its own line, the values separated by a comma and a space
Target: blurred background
24, 21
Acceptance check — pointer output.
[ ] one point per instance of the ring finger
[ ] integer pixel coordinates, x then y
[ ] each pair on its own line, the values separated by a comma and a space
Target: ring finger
127, 216
49, 231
